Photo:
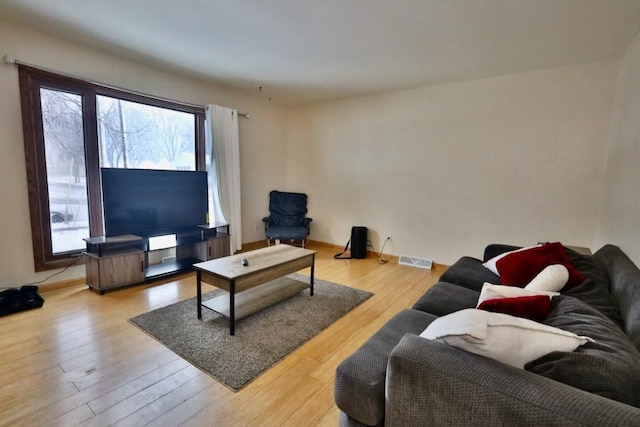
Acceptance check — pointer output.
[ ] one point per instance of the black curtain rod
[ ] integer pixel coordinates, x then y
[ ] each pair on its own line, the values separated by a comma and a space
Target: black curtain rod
9, 60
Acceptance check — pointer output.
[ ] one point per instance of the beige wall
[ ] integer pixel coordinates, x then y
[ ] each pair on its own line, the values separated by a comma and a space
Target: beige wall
446, 169
443, 169
262, 137
620, 214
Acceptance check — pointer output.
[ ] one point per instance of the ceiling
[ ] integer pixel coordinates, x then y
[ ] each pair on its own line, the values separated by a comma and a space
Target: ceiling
302, 51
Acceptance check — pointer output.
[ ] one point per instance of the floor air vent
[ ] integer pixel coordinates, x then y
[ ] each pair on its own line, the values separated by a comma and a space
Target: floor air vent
415, 262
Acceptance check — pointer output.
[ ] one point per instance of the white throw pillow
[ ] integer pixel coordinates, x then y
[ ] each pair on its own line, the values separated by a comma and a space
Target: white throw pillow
552, 279
491, 264
511, 340
490, 291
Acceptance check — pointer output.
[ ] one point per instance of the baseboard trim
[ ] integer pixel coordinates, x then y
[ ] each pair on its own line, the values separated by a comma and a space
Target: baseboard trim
338, 248
249, 246
372, 254
63, 284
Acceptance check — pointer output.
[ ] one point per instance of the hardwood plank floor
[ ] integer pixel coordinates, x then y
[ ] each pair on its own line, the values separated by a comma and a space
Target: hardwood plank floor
79, 362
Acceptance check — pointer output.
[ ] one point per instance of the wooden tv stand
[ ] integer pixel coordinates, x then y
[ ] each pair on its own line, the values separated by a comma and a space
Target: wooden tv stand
118, 261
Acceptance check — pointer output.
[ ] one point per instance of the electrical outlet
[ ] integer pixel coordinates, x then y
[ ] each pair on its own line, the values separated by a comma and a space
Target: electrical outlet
256, 228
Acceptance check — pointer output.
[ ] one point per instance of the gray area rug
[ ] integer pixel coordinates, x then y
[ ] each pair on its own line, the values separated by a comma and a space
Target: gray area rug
260, 340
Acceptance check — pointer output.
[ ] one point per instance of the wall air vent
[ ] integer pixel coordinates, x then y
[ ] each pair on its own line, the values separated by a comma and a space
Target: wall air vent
415, 262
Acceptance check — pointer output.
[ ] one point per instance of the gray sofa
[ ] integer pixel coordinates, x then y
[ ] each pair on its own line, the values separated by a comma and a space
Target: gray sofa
400, 379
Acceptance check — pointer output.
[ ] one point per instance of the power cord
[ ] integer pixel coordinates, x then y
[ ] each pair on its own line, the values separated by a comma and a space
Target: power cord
78, 258
75, 261
379, 256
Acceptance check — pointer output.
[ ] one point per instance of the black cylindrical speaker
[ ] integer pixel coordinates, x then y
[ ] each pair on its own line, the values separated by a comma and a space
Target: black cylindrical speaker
358, 242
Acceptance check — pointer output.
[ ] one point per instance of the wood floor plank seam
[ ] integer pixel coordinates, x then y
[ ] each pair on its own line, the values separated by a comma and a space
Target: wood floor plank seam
59, 408
131, 388
77, 361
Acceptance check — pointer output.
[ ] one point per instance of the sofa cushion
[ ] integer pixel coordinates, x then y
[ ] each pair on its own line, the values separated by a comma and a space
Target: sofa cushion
433, 384
469, 273
511, 340
282, 232
491, 263
490, 291
608, 366
590, 267
444, 298
599, 298
360, 379
535, 307
624, 277
519, 268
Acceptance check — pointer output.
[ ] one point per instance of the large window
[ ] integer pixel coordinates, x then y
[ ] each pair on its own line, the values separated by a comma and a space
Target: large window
71, 129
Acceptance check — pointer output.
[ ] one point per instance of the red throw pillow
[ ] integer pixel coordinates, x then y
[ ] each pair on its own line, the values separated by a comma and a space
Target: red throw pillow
519, 268
534, 307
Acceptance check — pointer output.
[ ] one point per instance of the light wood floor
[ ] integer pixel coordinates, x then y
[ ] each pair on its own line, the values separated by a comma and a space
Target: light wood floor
78, 361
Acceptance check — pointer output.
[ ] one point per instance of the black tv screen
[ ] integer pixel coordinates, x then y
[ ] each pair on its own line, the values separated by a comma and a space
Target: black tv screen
152, 202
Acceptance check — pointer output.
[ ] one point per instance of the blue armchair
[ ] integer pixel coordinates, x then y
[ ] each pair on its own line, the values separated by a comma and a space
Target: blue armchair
287, 221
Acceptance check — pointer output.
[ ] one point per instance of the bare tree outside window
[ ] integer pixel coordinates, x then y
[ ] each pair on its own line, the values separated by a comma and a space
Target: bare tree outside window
134, 135
66, 176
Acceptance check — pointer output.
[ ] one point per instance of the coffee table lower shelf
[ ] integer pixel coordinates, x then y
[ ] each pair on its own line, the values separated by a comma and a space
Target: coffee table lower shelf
256, 299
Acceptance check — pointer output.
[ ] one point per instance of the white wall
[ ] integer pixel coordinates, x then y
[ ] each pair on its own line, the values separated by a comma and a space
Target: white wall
262, 137
620, 214
446, 169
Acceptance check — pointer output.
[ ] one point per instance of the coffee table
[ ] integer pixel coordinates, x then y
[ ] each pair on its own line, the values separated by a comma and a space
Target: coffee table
256, 286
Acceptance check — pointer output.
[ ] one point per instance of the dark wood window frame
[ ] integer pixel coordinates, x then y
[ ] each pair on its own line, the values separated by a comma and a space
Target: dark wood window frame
31, 80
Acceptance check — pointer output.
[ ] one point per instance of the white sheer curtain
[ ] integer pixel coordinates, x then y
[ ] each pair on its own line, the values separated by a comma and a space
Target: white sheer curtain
222, 136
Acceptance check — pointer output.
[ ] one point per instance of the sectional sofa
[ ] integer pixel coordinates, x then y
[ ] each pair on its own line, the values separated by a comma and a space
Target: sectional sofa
398, 378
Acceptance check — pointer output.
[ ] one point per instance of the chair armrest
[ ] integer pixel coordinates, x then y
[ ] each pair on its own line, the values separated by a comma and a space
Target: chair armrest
430, 383
307, 221
267, 222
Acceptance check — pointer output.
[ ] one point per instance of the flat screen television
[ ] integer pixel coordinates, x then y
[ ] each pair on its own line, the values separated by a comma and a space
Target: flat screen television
149, 202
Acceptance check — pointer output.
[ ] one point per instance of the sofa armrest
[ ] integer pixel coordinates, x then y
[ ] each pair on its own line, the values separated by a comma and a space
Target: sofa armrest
469, 273
430, 383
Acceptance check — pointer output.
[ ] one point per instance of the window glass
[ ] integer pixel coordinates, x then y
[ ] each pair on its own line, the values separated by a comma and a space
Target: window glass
134, 135
66, 177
